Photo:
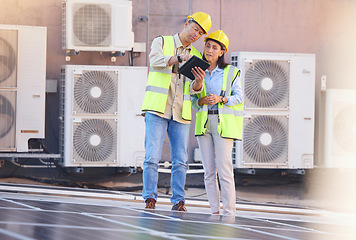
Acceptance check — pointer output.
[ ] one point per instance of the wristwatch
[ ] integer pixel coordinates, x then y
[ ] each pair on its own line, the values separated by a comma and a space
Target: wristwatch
179, 59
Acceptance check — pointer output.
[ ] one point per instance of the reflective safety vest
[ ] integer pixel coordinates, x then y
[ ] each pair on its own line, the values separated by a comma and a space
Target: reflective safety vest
230, 117
158, 83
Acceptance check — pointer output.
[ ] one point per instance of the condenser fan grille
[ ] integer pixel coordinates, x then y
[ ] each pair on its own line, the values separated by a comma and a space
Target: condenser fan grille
7, 119
8, 57
344, 129
92, 24
94, 140
266, 84
265, 140
96, 92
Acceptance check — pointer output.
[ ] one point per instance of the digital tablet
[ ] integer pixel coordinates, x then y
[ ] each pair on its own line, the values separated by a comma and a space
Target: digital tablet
194, 61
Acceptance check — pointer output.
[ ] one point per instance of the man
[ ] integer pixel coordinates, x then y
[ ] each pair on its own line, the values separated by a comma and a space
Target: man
167, 107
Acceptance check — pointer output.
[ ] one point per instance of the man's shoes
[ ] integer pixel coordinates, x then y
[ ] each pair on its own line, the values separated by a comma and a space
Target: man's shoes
179, 207
150, 203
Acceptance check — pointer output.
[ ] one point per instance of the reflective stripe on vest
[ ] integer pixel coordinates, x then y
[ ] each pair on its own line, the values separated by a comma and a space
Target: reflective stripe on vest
230, 117
158, 83
167, 71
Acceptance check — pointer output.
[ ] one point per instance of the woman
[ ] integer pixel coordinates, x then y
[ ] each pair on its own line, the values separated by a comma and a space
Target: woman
218, 122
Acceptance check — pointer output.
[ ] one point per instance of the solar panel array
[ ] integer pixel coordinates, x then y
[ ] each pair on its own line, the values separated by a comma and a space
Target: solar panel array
28, 212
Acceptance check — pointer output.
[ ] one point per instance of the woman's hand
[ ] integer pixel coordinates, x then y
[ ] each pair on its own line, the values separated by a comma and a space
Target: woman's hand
211, 99
199, 74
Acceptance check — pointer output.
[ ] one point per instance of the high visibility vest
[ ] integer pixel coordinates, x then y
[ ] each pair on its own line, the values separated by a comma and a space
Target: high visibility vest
230, 117
158, 83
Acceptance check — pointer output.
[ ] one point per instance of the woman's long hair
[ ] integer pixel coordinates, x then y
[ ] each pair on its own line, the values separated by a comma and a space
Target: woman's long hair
221, 60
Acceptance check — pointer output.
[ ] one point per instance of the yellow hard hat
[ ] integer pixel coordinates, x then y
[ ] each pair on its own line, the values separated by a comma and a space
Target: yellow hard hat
219, 36
203, 19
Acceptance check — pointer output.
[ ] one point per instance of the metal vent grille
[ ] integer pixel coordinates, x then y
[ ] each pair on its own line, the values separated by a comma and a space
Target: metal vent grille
61, 113
92, 24
64, 24
235, 61
95, 92
8, 58
94, 140
265, 140
266, 84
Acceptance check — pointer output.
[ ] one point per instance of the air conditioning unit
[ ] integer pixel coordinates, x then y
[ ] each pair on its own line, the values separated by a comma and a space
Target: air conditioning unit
340, 128
278, 126
22, 85
97, 25
100, 112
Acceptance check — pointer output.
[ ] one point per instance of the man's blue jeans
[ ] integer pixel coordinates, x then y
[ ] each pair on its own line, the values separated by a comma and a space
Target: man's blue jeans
178, 134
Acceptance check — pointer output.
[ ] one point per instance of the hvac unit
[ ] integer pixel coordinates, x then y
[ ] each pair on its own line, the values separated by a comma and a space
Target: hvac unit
101, 122
340, 128
97, 25
22, 85
278, 126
